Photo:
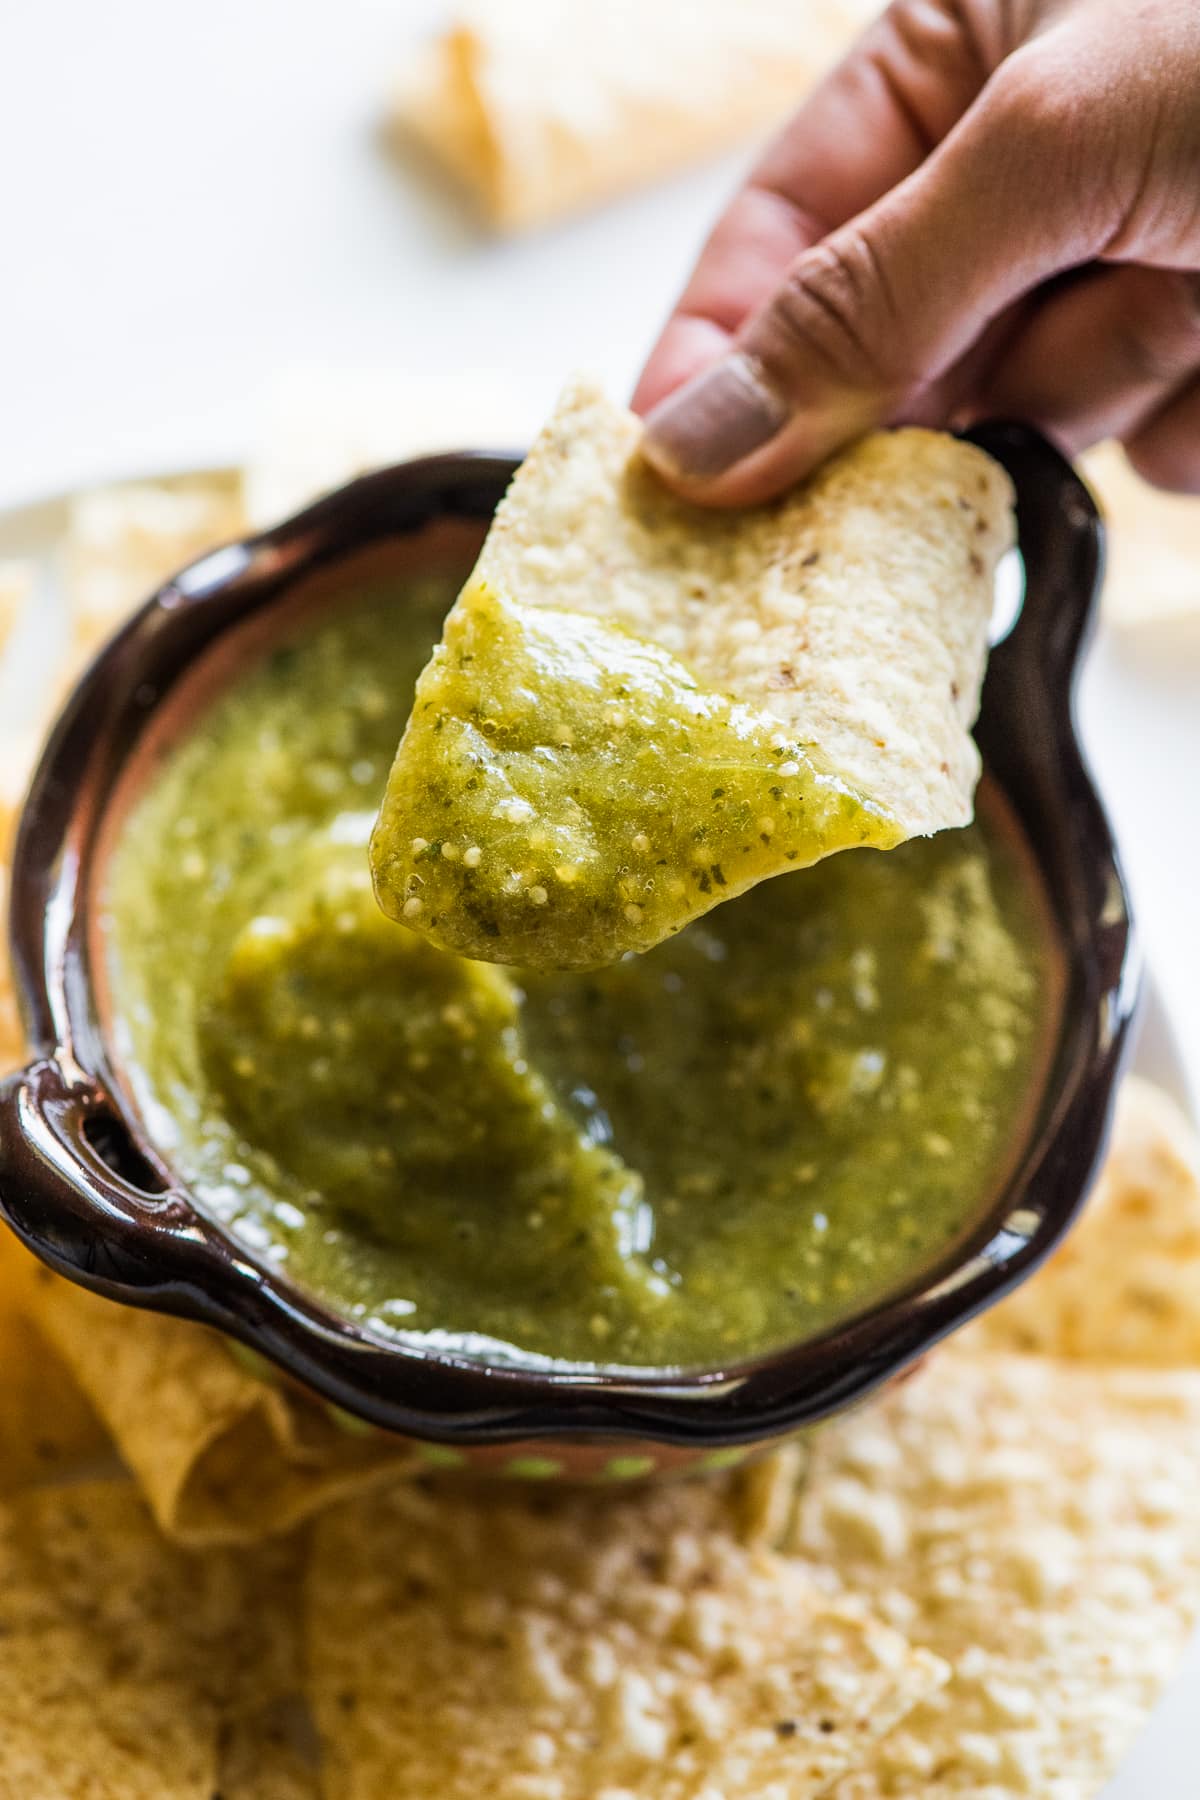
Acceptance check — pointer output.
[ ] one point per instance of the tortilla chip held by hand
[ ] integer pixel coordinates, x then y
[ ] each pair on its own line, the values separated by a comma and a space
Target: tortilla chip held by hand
639, 708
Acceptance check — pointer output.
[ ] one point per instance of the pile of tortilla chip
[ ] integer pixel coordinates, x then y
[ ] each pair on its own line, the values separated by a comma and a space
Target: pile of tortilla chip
978, 1584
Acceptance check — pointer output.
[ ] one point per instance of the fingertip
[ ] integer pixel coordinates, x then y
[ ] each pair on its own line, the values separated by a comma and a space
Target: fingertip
751, 482
781, 459
714, 421
688, 345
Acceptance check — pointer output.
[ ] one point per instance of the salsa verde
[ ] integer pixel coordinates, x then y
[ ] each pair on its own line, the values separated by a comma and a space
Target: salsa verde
731, 1141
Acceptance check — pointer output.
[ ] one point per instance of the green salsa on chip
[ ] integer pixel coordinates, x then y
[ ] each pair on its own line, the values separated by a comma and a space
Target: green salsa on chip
566, 791
684, 1158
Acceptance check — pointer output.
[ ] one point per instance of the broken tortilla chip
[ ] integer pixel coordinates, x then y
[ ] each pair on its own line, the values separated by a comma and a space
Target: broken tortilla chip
538, 108
1125, 1286
223, 1456
119, 1656
561, 1647
639, 708
1035, 1525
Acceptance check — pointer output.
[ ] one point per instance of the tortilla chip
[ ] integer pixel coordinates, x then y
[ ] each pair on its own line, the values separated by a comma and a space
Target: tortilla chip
1035, 1525
855, 612
17, 580
538, 108
102, 1559
765, 1494
12, 1032
223, 1456
1152, 576
123, 542
1125, 1286
16, 762
13, 774
17, 758
119, 1656
564, 1647
262, 1759
87, 1734
823, 654
47, 1428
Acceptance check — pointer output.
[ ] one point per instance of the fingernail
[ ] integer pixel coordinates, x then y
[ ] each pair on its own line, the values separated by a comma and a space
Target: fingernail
713, 422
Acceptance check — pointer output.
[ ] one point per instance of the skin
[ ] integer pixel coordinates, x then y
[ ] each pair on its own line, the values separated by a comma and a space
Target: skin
991, 207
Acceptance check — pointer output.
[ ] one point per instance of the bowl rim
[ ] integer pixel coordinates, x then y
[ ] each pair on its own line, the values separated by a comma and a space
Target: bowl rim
61, 1193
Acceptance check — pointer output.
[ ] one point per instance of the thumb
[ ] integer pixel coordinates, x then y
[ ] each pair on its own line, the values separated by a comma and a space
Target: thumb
881, 308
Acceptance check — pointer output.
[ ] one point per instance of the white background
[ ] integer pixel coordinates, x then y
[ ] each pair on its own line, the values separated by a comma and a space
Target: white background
195, 197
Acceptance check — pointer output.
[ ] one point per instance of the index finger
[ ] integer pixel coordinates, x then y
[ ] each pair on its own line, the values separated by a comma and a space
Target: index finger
875, 119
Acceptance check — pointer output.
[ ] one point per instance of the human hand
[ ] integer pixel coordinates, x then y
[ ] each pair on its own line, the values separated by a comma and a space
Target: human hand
992, 207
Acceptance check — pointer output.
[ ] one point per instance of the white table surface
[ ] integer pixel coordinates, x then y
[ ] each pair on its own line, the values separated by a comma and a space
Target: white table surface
194, 198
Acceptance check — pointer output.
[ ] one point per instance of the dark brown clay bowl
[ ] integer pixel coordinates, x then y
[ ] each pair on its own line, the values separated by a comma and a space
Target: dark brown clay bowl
82, 1186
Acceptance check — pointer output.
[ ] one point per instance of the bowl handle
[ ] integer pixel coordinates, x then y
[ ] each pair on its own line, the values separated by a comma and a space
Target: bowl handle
1061, 540
71, 1204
